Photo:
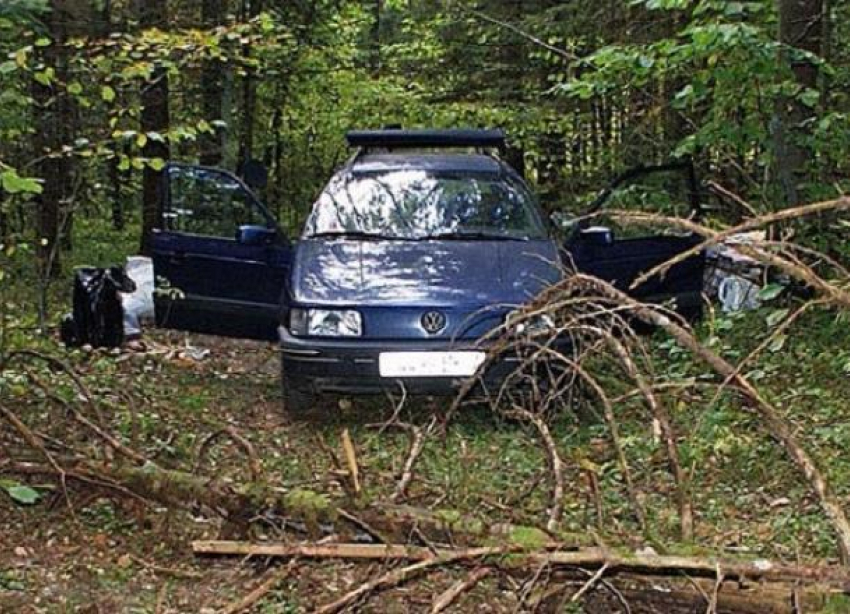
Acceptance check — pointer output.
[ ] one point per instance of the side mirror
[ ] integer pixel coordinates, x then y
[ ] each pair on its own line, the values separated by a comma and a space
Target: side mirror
256, 235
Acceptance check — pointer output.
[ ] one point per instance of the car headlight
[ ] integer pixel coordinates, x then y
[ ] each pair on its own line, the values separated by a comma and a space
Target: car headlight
326, 322
534, 326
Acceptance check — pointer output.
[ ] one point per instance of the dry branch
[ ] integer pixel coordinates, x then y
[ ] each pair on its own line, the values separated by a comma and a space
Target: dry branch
447, 598
555, 463
399, 576
775, 425
254, 464
417, 444
273, 578
637, 562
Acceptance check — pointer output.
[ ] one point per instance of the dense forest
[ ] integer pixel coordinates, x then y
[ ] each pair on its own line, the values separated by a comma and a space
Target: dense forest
97, 95
660, 476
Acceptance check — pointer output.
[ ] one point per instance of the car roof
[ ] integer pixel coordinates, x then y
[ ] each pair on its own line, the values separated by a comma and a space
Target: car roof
435, 162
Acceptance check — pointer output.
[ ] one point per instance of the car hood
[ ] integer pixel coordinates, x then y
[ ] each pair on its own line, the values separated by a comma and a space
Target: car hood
349, 272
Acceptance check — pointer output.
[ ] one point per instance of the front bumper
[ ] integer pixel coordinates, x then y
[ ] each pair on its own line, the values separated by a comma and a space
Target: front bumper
351, 365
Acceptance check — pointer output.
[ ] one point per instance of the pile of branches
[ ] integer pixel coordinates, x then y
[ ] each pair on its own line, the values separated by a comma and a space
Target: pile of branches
583, 328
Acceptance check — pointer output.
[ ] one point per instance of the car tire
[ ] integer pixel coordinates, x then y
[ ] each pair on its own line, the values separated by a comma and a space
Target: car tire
298, 402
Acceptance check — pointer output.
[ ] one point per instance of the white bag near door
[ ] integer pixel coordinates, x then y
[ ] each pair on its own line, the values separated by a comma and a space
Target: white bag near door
138, 305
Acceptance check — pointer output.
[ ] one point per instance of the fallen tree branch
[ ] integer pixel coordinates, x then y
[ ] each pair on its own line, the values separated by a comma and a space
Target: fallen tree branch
590, 583
448, 597
775, 425
636, 562
417, 444
555, 463
273, 578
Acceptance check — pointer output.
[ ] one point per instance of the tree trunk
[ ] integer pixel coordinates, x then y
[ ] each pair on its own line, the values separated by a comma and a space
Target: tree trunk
376, 38
113, 172
250, 8
155, 118
800, 29
53, 108
212, 86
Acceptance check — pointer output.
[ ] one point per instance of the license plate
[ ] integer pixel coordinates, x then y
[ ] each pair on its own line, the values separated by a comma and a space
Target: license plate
429, 364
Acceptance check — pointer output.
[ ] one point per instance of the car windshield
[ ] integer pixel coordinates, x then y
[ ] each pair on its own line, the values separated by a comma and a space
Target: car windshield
417, 205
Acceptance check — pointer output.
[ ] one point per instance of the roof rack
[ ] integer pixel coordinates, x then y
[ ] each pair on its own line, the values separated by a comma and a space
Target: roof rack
401, 139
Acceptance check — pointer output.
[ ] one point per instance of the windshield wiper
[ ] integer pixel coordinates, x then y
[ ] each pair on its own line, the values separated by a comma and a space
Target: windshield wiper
357, 234
472, 236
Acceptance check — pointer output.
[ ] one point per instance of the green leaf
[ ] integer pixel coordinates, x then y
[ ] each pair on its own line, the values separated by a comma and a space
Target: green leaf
777, 344
8, 67
43, 42
770, 292
22, 494
45, 77
156, 164
776, 317
107, 93
75, 88
15, 184
810, 97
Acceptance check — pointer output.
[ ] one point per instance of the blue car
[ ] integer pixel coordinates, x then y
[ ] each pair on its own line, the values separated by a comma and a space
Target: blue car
420, 245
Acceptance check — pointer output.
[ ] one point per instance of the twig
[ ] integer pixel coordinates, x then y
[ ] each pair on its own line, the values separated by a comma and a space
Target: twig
167, 571
403, 574
362, 524
447, 598
772, 420
523, 34
590, 583
351, 460
416, 446
712, 604
109, 439
253, 460
555, 463
273, 578
35, 442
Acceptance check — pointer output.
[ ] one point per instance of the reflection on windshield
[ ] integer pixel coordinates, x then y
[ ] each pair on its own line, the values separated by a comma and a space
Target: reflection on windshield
411, 204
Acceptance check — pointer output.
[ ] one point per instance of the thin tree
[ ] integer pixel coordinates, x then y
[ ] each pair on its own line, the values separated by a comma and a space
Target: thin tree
53, 109
801, 33
212, 86
155, 118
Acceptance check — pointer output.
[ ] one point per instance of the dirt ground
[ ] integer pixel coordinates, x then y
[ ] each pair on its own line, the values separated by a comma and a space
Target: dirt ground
86, 550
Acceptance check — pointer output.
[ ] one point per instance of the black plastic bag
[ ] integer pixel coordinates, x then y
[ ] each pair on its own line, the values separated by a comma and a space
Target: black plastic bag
98, 316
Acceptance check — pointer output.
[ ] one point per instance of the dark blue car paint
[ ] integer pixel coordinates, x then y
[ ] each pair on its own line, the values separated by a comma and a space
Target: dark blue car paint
225, 286
236, 289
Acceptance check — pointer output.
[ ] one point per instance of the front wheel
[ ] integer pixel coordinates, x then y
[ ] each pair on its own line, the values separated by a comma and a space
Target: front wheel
298, 402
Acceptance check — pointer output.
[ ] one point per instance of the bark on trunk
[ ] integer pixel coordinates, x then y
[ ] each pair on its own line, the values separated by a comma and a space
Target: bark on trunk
800, 30
212, 85
155, 118
53, 108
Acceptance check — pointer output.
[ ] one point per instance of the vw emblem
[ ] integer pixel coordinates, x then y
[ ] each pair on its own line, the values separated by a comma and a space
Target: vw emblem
433, 321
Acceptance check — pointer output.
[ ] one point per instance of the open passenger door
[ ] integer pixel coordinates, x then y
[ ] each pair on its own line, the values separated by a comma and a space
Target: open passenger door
220, 260
620, 253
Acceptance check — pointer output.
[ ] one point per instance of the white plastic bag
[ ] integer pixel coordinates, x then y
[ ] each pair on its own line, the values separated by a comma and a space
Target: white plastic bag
738, 294
138, 305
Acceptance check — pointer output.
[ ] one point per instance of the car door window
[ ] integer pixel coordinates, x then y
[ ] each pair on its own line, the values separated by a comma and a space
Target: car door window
209, 203
666, 193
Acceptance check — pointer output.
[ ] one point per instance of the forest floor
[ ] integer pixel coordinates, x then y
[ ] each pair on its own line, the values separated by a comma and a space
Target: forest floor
93, 553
